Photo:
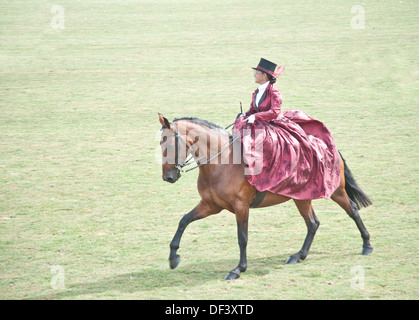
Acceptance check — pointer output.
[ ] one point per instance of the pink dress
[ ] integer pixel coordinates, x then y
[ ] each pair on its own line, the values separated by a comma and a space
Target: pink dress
295, 154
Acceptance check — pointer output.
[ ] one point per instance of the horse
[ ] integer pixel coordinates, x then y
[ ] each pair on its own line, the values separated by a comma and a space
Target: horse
222, 185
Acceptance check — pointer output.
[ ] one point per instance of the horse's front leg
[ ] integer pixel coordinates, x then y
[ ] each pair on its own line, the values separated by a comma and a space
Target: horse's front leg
242, 218
202, 210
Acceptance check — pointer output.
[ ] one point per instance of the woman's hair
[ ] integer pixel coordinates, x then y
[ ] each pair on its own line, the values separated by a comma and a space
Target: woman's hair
271, 79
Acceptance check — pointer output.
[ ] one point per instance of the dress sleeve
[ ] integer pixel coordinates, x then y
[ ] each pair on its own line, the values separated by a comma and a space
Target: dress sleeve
252, 110
275, 109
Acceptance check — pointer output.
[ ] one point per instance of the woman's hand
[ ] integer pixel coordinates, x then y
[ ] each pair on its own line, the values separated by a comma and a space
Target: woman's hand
240, 115
251, 118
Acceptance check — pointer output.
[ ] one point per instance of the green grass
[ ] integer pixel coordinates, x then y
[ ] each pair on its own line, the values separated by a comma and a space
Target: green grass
80, 186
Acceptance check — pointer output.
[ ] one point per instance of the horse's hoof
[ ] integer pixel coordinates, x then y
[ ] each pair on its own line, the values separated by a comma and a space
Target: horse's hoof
232, 275
367, 251
174, 262
292, 260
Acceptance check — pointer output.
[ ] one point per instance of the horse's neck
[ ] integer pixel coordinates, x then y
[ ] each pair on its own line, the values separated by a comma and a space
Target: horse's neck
207, 141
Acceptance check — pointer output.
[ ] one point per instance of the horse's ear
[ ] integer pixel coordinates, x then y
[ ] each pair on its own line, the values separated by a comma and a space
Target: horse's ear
164, 122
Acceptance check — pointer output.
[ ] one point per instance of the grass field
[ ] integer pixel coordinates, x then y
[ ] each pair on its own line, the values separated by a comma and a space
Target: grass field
84, 213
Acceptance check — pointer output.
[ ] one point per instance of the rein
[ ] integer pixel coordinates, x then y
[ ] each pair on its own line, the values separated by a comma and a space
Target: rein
192, 160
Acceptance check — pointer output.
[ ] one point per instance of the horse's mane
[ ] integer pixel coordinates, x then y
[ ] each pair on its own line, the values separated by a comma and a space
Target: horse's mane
204, 122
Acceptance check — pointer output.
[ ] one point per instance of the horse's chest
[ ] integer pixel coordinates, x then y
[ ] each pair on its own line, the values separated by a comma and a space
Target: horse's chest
212, 194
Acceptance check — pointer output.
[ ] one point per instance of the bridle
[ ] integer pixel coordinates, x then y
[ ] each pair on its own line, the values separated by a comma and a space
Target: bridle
177, 147
188, 162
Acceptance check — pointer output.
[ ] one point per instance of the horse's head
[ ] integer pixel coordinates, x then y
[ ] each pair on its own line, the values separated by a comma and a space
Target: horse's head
172, 155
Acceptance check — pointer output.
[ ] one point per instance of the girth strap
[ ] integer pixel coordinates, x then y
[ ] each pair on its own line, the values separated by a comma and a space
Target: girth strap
258, 199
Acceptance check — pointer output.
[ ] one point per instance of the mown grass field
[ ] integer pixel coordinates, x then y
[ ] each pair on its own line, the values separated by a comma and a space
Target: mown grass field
80, 187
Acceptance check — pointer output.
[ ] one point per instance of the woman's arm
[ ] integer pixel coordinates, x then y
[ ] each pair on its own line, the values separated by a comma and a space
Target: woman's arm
252, 110
275, 109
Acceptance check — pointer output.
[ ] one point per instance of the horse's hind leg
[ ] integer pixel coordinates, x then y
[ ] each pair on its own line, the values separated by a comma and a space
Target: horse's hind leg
307, 212
340, 197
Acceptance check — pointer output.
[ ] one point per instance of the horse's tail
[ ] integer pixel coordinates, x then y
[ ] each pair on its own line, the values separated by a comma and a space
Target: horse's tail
352, 189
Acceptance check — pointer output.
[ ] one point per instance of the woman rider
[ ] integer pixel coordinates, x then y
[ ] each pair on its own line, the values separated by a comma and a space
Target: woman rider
296, 153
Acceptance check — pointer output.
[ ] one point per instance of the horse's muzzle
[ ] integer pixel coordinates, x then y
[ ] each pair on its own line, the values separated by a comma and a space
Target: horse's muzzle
172, 177
171, 180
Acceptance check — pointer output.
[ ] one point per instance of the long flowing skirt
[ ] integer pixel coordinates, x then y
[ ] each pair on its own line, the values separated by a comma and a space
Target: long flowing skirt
294, 156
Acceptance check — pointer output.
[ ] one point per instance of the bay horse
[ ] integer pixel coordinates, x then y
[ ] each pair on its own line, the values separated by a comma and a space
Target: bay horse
222, 185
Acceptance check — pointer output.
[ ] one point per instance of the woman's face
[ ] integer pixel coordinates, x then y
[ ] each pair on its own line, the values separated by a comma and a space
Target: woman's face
260, 77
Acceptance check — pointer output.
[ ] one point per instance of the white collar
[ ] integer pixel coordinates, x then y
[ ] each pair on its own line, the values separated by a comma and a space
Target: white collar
263, 87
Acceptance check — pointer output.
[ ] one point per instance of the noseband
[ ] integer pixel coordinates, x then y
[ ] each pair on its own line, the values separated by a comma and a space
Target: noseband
177, 147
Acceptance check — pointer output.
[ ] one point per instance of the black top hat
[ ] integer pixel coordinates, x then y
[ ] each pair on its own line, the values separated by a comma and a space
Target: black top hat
269, 67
